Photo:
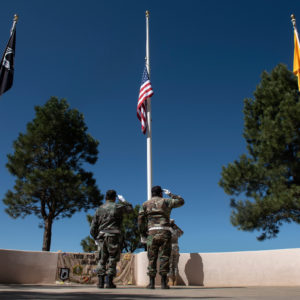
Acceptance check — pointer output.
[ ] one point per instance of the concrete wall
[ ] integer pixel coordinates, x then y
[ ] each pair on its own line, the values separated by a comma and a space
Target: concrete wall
249, 268
29, 267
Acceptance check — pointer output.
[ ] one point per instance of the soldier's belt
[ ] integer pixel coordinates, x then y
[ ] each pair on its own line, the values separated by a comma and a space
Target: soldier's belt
110, 231
159, 228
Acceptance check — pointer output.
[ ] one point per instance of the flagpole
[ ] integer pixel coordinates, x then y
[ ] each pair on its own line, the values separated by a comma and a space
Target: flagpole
149, 120
293, 18
16, 17
296, 64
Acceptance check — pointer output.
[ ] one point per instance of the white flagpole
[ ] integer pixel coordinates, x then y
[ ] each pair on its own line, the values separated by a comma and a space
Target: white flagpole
14, 24
294, 25
149, 128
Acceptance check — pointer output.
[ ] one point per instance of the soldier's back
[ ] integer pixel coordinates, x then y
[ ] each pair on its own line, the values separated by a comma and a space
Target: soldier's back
110, 215
157, 212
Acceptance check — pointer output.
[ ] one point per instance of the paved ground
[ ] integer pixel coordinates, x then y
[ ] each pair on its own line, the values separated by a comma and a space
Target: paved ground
76, 292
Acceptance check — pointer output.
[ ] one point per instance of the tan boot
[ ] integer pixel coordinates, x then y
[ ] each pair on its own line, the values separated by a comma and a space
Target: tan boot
170, 283
174, 281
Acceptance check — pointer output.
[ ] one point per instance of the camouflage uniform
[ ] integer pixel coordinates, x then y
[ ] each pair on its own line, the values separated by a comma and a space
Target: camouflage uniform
155, 213
176, 233
106, 230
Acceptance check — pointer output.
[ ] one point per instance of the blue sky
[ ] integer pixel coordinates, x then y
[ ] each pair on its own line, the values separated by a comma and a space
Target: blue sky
206, 57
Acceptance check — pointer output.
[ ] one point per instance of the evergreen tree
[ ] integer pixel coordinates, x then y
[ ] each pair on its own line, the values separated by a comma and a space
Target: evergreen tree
267, 180
48, 163
130, 233
88, 243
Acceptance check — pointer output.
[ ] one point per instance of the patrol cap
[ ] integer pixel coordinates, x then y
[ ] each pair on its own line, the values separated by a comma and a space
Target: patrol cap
111, 195
156, 190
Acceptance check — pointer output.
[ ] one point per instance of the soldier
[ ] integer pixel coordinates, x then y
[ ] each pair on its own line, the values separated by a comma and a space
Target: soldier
176, 233
106, 230
154, 222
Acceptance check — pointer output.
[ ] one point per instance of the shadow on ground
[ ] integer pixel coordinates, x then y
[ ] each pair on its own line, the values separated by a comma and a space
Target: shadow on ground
91, 296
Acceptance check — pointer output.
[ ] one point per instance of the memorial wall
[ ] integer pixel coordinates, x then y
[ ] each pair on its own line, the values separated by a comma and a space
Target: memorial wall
228, 269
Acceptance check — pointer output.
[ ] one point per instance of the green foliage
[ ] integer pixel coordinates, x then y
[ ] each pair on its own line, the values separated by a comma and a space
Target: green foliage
129, 230
88, 243
268, 178
48, 163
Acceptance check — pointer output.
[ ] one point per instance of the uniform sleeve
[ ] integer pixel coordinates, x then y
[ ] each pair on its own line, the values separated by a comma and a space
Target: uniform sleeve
94, 226
127, 207
142, 224
175, 201
179, 232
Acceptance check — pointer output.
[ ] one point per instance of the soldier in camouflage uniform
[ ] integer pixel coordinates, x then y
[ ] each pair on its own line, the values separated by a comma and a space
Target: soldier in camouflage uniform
154, 222
106, 230
174, 258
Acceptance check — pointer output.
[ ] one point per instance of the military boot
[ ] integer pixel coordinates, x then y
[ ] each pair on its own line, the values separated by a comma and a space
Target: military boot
164, 284
110, 284
151, 285
100, 284
175, 281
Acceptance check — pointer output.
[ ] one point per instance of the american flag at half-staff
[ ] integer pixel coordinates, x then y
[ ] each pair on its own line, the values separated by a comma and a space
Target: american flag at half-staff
145, 93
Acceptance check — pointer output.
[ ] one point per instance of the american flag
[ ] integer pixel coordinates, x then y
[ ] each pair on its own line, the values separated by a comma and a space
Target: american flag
145, 93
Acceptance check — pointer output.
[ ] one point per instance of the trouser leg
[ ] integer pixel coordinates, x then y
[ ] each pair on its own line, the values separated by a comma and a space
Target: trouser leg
113, 246
174, 259
152, 252
171, 264
165, 252
103, 254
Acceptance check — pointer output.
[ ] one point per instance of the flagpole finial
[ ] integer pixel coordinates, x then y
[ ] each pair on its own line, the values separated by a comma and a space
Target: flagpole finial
16, 17
147, 13
293, 18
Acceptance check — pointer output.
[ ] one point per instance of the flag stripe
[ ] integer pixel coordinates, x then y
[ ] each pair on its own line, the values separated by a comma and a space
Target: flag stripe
146, 94
146, 88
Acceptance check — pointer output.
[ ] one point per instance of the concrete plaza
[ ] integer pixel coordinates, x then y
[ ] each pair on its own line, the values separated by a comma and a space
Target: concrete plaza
76, 292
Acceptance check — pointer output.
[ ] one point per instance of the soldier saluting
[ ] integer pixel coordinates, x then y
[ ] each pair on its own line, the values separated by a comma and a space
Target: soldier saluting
154, 222
106, 231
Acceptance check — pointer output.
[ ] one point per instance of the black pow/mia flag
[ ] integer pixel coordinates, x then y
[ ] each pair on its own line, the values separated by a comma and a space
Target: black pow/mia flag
7, 64
64, 273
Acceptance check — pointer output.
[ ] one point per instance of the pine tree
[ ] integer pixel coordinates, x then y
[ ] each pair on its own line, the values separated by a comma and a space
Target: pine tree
48, 163
88, 243
267, 180
131, 232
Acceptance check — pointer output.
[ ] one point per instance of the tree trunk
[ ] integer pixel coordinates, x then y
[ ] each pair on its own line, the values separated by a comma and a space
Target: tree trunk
47, 234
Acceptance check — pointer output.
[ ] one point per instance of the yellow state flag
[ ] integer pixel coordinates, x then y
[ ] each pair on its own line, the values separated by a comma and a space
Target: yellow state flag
296, 68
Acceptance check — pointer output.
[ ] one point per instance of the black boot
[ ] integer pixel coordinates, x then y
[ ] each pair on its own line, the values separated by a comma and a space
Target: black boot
151, 285
164, 284
110, 284
100, 284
